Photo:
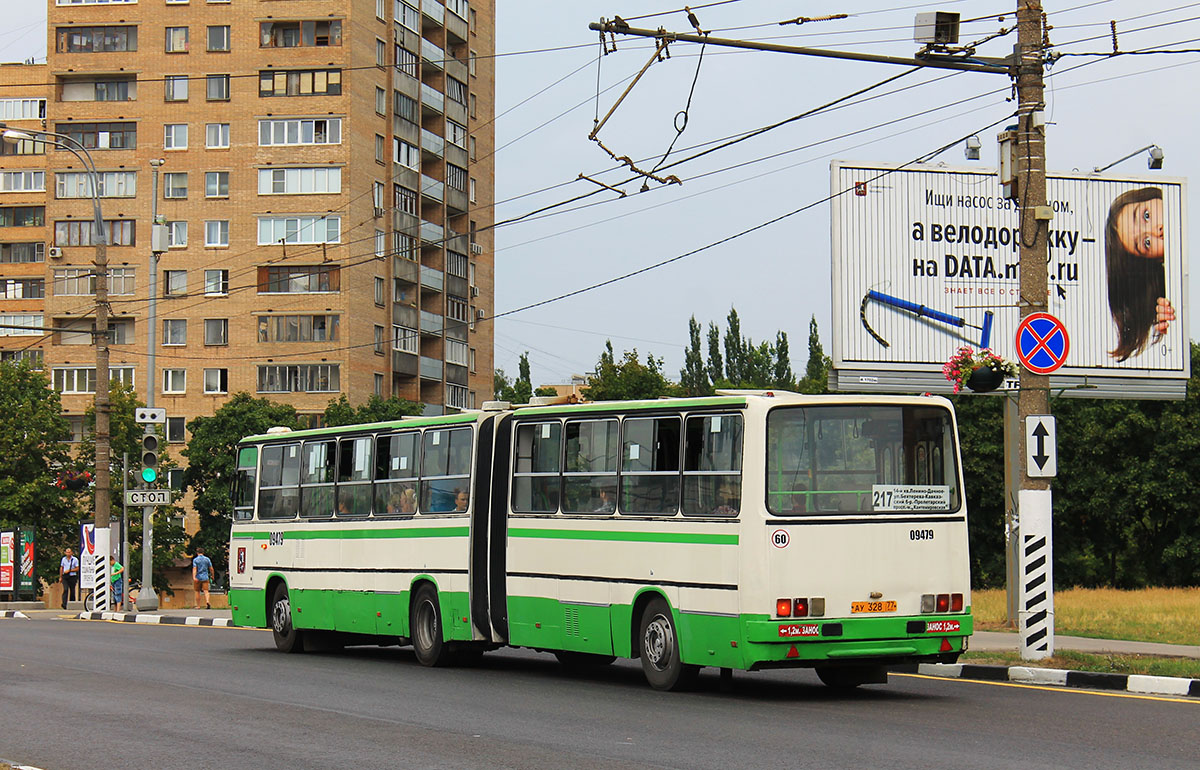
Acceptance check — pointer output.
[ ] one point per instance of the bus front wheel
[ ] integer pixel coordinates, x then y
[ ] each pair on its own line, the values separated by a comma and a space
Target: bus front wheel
288, 638
659, 650
425, 628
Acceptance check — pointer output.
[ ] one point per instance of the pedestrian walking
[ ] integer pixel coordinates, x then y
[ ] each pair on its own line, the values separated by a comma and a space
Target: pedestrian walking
118, 585
201, 575
68, 575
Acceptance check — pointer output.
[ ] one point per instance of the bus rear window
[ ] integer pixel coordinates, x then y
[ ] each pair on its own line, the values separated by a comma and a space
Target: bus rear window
863, 458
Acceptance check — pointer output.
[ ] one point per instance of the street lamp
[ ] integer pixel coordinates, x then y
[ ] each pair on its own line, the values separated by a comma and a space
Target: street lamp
1154, 161
103, 501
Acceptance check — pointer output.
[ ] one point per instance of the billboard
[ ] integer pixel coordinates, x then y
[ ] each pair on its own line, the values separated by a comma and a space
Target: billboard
8, 554
946, 241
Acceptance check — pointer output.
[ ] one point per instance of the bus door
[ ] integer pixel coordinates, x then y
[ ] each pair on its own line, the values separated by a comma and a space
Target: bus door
489, 531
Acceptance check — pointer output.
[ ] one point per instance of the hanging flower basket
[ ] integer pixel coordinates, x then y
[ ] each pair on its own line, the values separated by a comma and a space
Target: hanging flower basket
980, 371
73, 480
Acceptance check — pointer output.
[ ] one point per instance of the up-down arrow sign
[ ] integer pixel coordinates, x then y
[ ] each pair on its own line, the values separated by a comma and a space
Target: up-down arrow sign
1041, 452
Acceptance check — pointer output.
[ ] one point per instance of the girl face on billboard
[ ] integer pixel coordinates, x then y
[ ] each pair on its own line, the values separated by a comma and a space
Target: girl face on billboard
1140, 228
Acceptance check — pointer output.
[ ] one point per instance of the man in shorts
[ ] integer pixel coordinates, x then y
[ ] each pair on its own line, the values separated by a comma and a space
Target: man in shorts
201, 575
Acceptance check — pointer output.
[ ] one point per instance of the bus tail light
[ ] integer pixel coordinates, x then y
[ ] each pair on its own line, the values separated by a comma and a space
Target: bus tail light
956, 602
801, 608
816, 606
943, 602
783, 608
926, 604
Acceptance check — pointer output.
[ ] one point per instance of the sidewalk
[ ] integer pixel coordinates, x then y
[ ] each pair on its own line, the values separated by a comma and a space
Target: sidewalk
1004, 641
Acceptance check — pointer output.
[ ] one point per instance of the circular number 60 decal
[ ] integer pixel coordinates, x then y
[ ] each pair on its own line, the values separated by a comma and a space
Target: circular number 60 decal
780, 538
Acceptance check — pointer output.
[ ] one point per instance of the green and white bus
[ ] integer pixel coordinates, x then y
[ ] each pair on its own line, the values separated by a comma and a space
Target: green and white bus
748, 530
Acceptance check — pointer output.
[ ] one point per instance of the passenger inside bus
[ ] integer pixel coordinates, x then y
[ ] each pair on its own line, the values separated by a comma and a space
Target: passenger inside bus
460, 500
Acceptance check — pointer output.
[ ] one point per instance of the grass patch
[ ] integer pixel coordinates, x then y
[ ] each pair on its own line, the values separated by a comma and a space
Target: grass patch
1187, 668
1168, 615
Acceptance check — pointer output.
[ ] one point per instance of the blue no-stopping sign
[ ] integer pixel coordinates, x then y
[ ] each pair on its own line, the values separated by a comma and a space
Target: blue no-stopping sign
1042, 343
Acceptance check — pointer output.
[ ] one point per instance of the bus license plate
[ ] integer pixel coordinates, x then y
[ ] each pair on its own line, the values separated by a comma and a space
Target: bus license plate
857, 607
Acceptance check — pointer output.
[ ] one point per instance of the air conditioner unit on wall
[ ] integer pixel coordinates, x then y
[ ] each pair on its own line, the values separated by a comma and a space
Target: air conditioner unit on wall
480, 314
474, 291
476, 248
55, 252
378, 212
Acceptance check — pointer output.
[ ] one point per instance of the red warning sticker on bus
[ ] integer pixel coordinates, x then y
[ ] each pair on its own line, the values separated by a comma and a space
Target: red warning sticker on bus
791, 630
942, 626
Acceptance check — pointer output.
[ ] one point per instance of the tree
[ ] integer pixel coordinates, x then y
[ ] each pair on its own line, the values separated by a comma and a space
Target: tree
735, 356
33, 452
693, 378
212, 464
816, 372
628, 378
546, 390
716, 367
376, 409
518, 392
784, 379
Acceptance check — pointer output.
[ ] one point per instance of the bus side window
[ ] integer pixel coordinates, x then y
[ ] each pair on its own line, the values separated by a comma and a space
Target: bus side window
536, 466
590, 473
712, 478
396, 474
316, 479
650, 466
446, 469
278, 491
354, 476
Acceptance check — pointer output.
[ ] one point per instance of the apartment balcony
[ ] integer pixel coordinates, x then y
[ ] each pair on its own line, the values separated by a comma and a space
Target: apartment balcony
457, 69
433, 57
433, 147
456, 201
432, 279
431, 324
404, 364
457, 242
433, 101
406, 270
433, 13
456, 29
432, 189
406, 130
431, 368
408, 317
406, 223
457, 375
431, 234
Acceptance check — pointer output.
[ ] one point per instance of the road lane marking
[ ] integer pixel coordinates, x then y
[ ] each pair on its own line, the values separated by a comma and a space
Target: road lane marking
1077, 691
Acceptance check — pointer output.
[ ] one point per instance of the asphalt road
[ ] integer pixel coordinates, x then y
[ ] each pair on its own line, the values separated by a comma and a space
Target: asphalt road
79, 694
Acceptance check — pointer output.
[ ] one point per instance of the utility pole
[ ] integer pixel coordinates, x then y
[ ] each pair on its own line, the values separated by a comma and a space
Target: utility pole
1032, 529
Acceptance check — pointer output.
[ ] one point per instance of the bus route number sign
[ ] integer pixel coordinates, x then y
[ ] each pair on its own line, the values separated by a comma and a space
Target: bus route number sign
780, 538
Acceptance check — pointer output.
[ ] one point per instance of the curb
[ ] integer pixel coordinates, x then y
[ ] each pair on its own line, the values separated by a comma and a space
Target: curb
13, 614
1137, 683
161, 620
20, 767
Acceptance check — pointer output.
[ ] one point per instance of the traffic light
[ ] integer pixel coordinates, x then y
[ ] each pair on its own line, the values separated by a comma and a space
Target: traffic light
150, 456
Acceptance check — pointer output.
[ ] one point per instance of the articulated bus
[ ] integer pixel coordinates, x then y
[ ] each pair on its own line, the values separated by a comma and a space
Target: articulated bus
748, 530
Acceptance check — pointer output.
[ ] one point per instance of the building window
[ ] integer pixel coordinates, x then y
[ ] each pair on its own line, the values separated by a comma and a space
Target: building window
175, 88
298, 279
299, 181
23, 216
406, 107
472, 148
380, 53
176, 39
34, 357
405, 340
456, 177
175, 136
406, 61
300, 82
217, 88
22, 181
456, 397
472, 365
218, 38
22, 109
296, 34
96, 39
406, 154
216, 136
456, 134
174, 331
113, 184
456, 308
405, 200
471, 110
380, 101
379, 340
315, 228
380, 243
303, 378
78, 232
216, 184
378, 384
380, 9
471, 191
292, 132
83, 379
457, 264
216, 331
380, 145
298, 328
32, 323
456, 90
457, 353
458, 8
22, 253
101, 136
380, 291
176, 235
175, 184
175, 427
216, 232
174, 380
216, 282
174, 283
216, 380
23, 147
404, 246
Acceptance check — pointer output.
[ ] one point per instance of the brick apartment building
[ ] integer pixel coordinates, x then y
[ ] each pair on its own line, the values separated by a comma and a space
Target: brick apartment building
326, 187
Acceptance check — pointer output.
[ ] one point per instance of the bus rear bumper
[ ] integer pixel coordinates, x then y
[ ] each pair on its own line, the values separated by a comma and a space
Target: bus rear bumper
890, 640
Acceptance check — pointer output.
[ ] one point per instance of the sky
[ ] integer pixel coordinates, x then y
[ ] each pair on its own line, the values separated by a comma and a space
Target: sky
552, 83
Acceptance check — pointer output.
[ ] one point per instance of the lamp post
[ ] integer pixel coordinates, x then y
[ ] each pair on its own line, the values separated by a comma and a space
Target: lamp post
1154, 161
103, 497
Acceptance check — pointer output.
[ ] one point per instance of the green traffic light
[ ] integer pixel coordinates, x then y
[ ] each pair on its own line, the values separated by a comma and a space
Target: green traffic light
149, 475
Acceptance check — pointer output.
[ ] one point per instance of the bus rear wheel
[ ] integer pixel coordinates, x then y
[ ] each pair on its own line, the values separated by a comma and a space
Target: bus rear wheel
425, 628
288, 638
658, 647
